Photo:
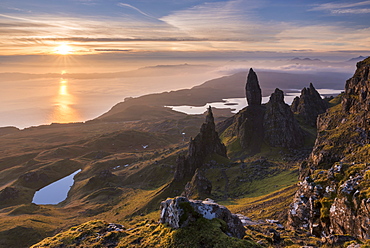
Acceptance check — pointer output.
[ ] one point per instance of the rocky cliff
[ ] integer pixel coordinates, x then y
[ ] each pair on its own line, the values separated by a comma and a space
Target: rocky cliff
280, 127
272, 123
309, 105
250, 120
334, 197
199, 186
206, 143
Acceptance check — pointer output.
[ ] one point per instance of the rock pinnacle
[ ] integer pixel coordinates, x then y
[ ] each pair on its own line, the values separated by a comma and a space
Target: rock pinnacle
253, 90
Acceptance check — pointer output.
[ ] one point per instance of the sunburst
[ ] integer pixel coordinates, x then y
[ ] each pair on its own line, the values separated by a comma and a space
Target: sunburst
63, 49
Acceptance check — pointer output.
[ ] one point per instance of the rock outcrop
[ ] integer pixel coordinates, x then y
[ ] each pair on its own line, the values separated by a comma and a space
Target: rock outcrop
356, 97
334, 197
309, 105
199, 186
280, 127
204, 144
257, 123
180, 211
253, 89
249, 122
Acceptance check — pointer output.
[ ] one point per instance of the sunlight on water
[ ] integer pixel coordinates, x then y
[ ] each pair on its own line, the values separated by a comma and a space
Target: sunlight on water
63, 111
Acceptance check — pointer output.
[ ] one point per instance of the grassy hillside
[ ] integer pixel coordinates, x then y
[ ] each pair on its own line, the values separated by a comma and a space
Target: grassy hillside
127, 160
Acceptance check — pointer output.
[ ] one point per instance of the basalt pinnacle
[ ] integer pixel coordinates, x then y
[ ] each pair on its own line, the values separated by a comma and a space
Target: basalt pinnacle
253, 90
204, 144
280, 127
309, 105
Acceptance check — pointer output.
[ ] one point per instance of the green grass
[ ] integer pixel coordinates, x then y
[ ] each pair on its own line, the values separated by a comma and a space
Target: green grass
201, 233
271, 184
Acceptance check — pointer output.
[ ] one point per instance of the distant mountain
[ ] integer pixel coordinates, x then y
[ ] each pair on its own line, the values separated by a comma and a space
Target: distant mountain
357, 59
305, 60
226, 87
149, 71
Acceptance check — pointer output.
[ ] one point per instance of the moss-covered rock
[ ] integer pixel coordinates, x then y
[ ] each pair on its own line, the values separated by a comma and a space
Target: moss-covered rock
334, 196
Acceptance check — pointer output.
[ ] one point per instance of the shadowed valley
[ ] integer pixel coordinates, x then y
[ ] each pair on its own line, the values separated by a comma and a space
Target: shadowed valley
284, 178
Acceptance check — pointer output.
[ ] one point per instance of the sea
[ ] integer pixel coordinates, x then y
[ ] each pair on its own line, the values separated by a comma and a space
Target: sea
61, 99
33, 102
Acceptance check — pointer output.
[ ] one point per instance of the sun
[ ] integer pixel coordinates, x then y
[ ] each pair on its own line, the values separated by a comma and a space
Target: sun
63, 49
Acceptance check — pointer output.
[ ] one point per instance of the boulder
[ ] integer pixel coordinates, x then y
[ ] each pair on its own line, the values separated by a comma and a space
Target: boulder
180, 211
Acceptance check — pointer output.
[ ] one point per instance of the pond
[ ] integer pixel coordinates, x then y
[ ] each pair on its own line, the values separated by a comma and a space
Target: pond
56, 192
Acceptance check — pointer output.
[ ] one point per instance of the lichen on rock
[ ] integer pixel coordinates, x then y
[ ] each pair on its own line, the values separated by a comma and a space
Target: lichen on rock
334, 198
179, 212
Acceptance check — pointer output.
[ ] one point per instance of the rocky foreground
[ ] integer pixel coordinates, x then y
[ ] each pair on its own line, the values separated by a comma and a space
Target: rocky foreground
334, 194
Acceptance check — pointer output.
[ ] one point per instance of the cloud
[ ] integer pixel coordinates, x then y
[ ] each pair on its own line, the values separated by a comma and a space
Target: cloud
24, 25
330, 37
213, 26
87, 2
233, 20
112, 39
344, 8
18, 9
351, 11
134, 8
112, 50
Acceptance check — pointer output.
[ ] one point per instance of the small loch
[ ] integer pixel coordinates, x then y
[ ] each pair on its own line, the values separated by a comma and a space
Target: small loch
56, 192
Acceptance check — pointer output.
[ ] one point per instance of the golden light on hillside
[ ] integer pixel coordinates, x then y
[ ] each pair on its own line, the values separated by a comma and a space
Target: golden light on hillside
63, 49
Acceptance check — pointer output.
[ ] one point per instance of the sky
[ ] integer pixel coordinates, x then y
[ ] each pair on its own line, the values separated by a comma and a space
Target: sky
162, 28
58, 58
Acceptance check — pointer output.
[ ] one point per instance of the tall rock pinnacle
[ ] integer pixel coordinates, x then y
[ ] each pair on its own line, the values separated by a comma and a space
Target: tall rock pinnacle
253, 90
204, 144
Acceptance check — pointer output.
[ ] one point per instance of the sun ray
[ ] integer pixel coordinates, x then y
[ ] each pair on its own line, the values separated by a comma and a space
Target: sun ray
63, 49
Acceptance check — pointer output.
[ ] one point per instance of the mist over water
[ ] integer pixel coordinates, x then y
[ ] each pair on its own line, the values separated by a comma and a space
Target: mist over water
33, 102
80, 94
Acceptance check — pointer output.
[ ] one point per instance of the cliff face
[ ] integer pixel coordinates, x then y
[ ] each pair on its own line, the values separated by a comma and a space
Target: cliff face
272, 123
334, 197
250, 131
356, 96
309, 105
249, 121
204, 144
281, 129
